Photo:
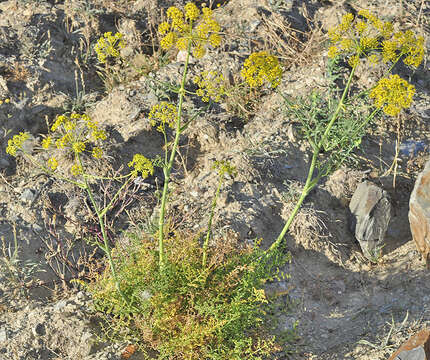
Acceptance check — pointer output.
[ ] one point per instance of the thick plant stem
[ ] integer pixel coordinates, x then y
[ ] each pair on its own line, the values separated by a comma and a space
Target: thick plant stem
168, 168
310, 181
205, 244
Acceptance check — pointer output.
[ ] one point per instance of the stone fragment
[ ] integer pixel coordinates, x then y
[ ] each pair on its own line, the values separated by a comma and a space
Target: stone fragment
28, 195
416, 348
419, 213
371, 212
3, 335
39, 330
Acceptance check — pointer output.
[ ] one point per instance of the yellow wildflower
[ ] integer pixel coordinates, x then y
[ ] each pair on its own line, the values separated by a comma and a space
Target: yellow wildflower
163, 114
260, 67
63, 141
224, 167
178, 31
199, 51
333, 51
182, 43
347, 44
374, 59
411, 46
368, 43
15, 144
164, 28
387, 30
46, 142
98, 134
392, 94
354, 60
69, 125
211, 85
346, 23
97, 152
191, 11
176, 17
53, 163
214, 40
58, 122
78, 147
108, 46
168, 41
334, 35
361, 27
76, 169
389, 49
141, 164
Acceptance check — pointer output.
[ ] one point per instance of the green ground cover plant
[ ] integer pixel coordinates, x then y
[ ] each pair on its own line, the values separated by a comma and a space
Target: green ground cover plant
188, 295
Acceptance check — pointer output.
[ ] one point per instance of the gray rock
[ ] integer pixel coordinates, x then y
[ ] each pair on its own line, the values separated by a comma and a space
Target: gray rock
419, 213
4, 163
414, 354
371, 212
28, 195
39, 330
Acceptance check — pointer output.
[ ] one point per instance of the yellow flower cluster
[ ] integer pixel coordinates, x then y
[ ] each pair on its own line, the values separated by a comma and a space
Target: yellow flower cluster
369, 36
404, 44
109, 46
224, 167
141, 164
179, 30
211, 85
5, 101
53, 163
260, 67
74, 133
163, 114
15, 144
392, 94
76, 169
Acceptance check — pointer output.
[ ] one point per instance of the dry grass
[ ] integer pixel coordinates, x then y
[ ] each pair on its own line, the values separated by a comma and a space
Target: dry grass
291, 45
17, 72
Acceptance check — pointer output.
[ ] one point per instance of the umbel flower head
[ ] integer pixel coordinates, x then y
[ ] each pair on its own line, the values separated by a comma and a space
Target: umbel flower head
179, 30
163, 114
392, 94
109, 45
224, 167
366, 35
15, 144
261, 67
211, 85
142, 165
76, 134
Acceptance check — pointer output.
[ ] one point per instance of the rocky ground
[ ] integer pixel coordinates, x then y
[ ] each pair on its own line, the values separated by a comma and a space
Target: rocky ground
346, 306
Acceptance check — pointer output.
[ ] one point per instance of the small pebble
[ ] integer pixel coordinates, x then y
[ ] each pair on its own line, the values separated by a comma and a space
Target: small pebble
3, 335
39, 330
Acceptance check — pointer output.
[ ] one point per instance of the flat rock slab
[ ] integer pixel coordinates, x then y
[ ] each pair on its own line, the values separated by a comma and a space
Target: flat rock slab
370, 214
419, 213
416, 348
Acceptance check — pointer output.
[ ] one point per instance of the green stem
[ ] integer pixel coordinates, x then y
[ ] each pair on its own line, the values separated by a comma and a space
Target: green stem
51, 172
310, 181
108, 206
168, 168
105, 247
205, 244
